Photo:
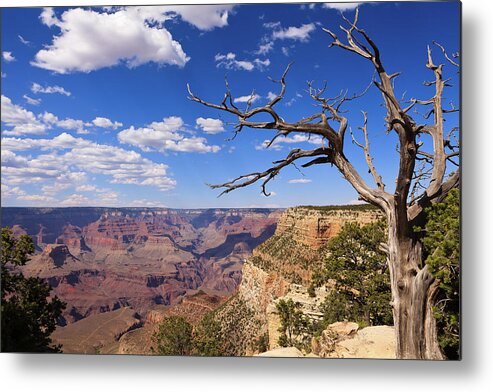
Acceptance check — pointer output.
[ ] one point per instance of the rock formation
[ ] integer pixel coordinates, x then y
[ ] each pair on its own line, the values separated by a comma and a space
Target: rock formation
104, 259
281, 268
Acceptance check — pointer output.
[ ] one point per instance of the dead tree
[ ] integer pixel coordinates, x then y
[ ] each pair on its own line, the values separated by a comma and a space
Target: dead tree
424, 177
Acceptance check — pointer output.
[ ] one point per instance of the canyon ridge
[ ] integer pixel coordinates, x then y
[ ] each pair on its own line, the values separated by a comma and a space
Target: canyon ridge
122, 270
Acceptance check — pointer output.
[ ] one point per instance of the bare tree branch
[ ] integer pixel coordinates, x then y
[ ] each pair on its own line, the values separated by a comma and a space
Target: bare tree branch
272, 172
366, 149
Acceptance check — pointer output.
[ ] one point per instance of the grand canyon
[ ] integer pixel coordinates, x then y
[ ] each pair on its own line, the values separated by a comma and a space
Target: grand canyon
121, 270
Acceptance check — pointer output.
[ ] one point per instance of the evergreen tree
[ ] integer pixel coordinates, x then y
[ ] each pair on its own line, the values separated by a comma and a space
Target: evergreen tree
441, 240
207, 337
357, 269
174, 337
296, 328
29, 315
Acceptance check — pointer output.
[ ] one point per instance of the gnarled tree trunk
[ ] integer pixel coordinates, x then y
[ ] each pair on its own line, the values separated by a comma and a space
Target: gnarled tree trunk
413, 294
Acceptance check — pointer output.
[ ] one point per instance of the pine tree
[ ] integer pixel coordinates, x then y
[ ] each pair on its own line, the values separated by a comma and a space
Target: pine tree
29, 315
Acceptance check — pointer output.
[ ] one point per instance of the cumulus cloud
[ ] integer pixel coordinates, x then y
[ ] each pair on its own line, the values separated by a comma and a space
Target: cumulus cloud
68, 159
37, 88
230, 61
75, 200
94, 39
90, 40
301, 33
300, 181
278, 143
146, 203
165, 136
103, 122
246, 98
204, 17
342, 6
7, 56
25, 122
73, 124
11, 192
21, 120
64, 141
210, 125
37, 199
108, 198
86, 188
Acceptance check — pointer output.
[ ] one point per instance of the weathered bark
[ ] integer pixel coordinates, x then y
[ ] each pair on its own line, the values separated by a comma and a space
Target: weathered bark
413, 295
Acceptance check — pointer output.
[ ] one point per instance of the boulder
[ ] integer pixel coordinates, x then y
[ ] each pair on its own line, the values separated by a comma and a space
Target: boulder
343, 328
370, 342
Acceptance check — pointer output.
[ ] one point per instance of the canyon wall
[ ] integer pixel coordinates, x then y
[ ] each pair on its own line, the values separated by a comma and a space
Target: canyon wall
103, 259
282, 267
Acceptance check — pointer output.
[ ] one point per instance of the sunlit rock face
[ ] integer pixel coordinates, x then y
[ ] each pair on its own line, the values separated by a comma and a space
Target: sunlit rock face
103, 259
281, 268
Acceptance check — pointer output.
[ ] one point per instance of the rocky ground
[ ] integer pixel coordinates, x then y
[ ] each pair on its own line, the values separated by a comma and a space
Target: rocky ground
345, 340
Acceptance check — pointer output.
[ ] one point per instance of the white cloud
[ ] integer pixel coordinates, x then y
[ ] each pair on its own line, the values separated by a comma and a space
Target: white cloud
146, 203
271, 95
25, 122
204, 17
48, 118
229, 61
70, 158
21, 120
341, 6
277, 144
24, 41
210, 125
246, 98
72, 124
104, 122
165, 136
75, 200
11, 192
86, 188
356, 202
300, 181
285, 51
31, 101
272, 25
37, 88
37, 199
265, 48
261, 63
48, 17
7, 56
90, 40
301, 33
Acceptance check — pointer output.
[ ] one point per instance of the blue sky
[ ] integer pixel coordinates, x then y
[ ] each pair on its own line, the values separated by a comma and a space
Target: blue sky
95, 108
